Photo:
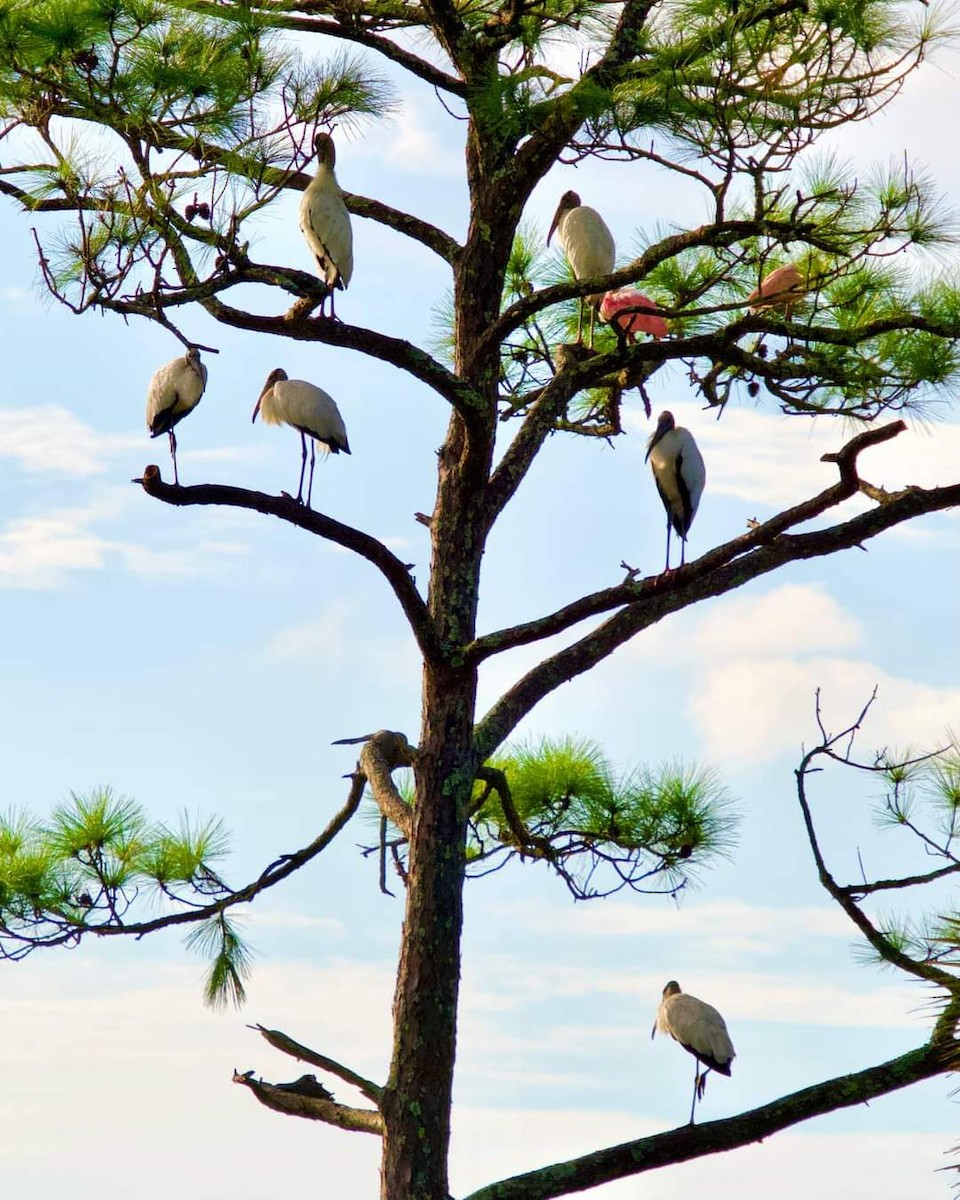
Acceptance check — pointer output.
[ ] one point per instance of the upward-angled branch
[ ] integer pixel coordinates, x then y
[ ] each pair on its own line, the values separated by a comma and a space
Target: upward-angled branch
393, 570
713, 1137
720, 571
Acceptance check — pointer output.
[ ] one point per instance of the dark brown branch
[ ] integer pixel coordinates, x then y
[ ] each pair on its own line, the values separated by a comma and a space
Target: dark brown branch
280, 1041
887, 950
285, 865
657, 591
287, 509
722, 570
697, 1141
353, 31
304, 1098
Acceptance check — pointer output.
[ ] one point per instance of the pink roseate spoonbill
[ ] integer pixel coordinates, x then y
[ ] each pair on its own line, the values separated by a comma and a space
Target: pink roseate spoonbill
679, 474
308, 409
588, 245
174, 391
699, 1028
783, 288
325, 222
616, 309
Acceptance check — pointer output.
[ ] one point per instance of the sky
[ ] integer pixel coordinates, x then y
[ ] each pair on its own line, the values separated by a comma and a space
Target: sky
204, 661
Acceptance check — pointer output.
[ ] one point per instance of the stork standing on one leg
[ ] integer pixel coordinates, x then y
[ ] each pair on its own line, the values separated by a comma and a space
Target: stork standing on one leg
699, 1028
679, 474
588, 245
175, 391
309, 410
325, 222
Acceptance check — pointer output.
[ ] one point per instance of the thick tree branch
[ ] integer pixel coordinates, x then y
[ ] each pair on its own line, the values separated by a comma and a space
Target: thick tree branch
354, 31
280, 1041
287, 509
722, 570
306, 1098
714, 1137
656, 589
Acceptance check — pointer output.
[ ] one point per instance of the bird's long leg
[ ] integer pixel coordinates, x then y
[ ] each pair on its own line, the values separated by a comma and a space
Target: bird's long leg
580, 322
683, 550
696, 1087
593, 313
667, 566
173, 454
303, 465
313, 459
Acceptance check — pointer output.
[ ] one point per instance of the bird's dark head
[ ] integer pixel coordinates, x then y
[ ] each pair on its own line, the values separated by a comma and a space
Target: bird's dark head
672, 989
664, 425
275, 376
192, 356
568, 201
323, 145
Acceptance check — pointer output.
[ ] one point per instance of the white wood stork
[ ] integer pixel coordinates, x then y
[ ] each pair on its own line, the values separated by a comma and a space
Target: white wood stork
679, 474
699, 1028
325, 222
174, 391
588, 245
310, 410
784, 287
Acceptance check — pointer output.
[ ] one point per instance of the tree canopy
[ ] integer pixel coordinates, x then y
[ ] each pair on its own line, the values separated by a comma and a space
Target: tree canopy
148, 146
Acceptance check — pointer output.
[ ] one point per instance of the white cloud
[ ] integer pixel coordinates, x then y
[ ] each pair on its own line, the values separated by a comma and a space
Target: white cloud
43, 552
51, 438
707, 921
753, 709
794, 619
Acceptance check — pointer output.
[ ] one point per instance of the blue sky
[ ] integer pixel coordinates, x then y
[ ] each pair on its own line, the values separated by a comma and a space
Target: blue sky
206, 661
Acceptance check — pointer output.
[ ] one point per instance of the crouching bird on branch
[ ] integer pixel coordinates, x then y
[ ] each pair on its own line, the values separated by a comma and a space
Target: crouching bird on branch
679, 474
699, 1028
175, 391
308, 409
325, 222
783, 288
588, 245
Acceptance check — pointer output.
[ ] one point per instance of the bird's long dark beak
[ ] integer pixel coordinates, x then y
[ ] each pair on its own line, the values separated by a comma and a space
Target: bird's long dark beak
653, 1031
256, 409
556, 221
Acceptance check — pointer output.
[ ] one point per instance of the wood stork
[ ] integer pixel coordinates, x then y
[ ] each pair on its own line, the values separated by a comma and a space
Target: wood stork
783, 288
679, 474
325, 222
618, 309
285, 401
699, 1028
588, 245
174, 391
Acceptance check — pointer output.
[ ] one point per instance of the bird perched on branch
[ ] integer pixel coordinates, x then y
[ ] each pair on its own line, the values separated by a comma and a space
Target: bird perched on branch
588, 245
308, 409
783, 288
174, 391
680, 475
325, 222
699, 1028
619, 309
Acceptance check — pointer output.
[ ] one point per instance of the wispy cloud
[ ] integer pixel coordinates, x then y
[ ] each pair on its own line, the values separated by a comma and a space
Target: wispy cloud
51, 438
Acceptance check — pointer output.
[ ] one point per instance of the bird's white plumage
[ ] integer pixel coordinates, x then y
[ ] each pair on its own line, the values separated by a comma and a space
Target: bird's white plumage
324, 220
174, 391
680, 475
308, 409
587, 243
678, 468
698, 1027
